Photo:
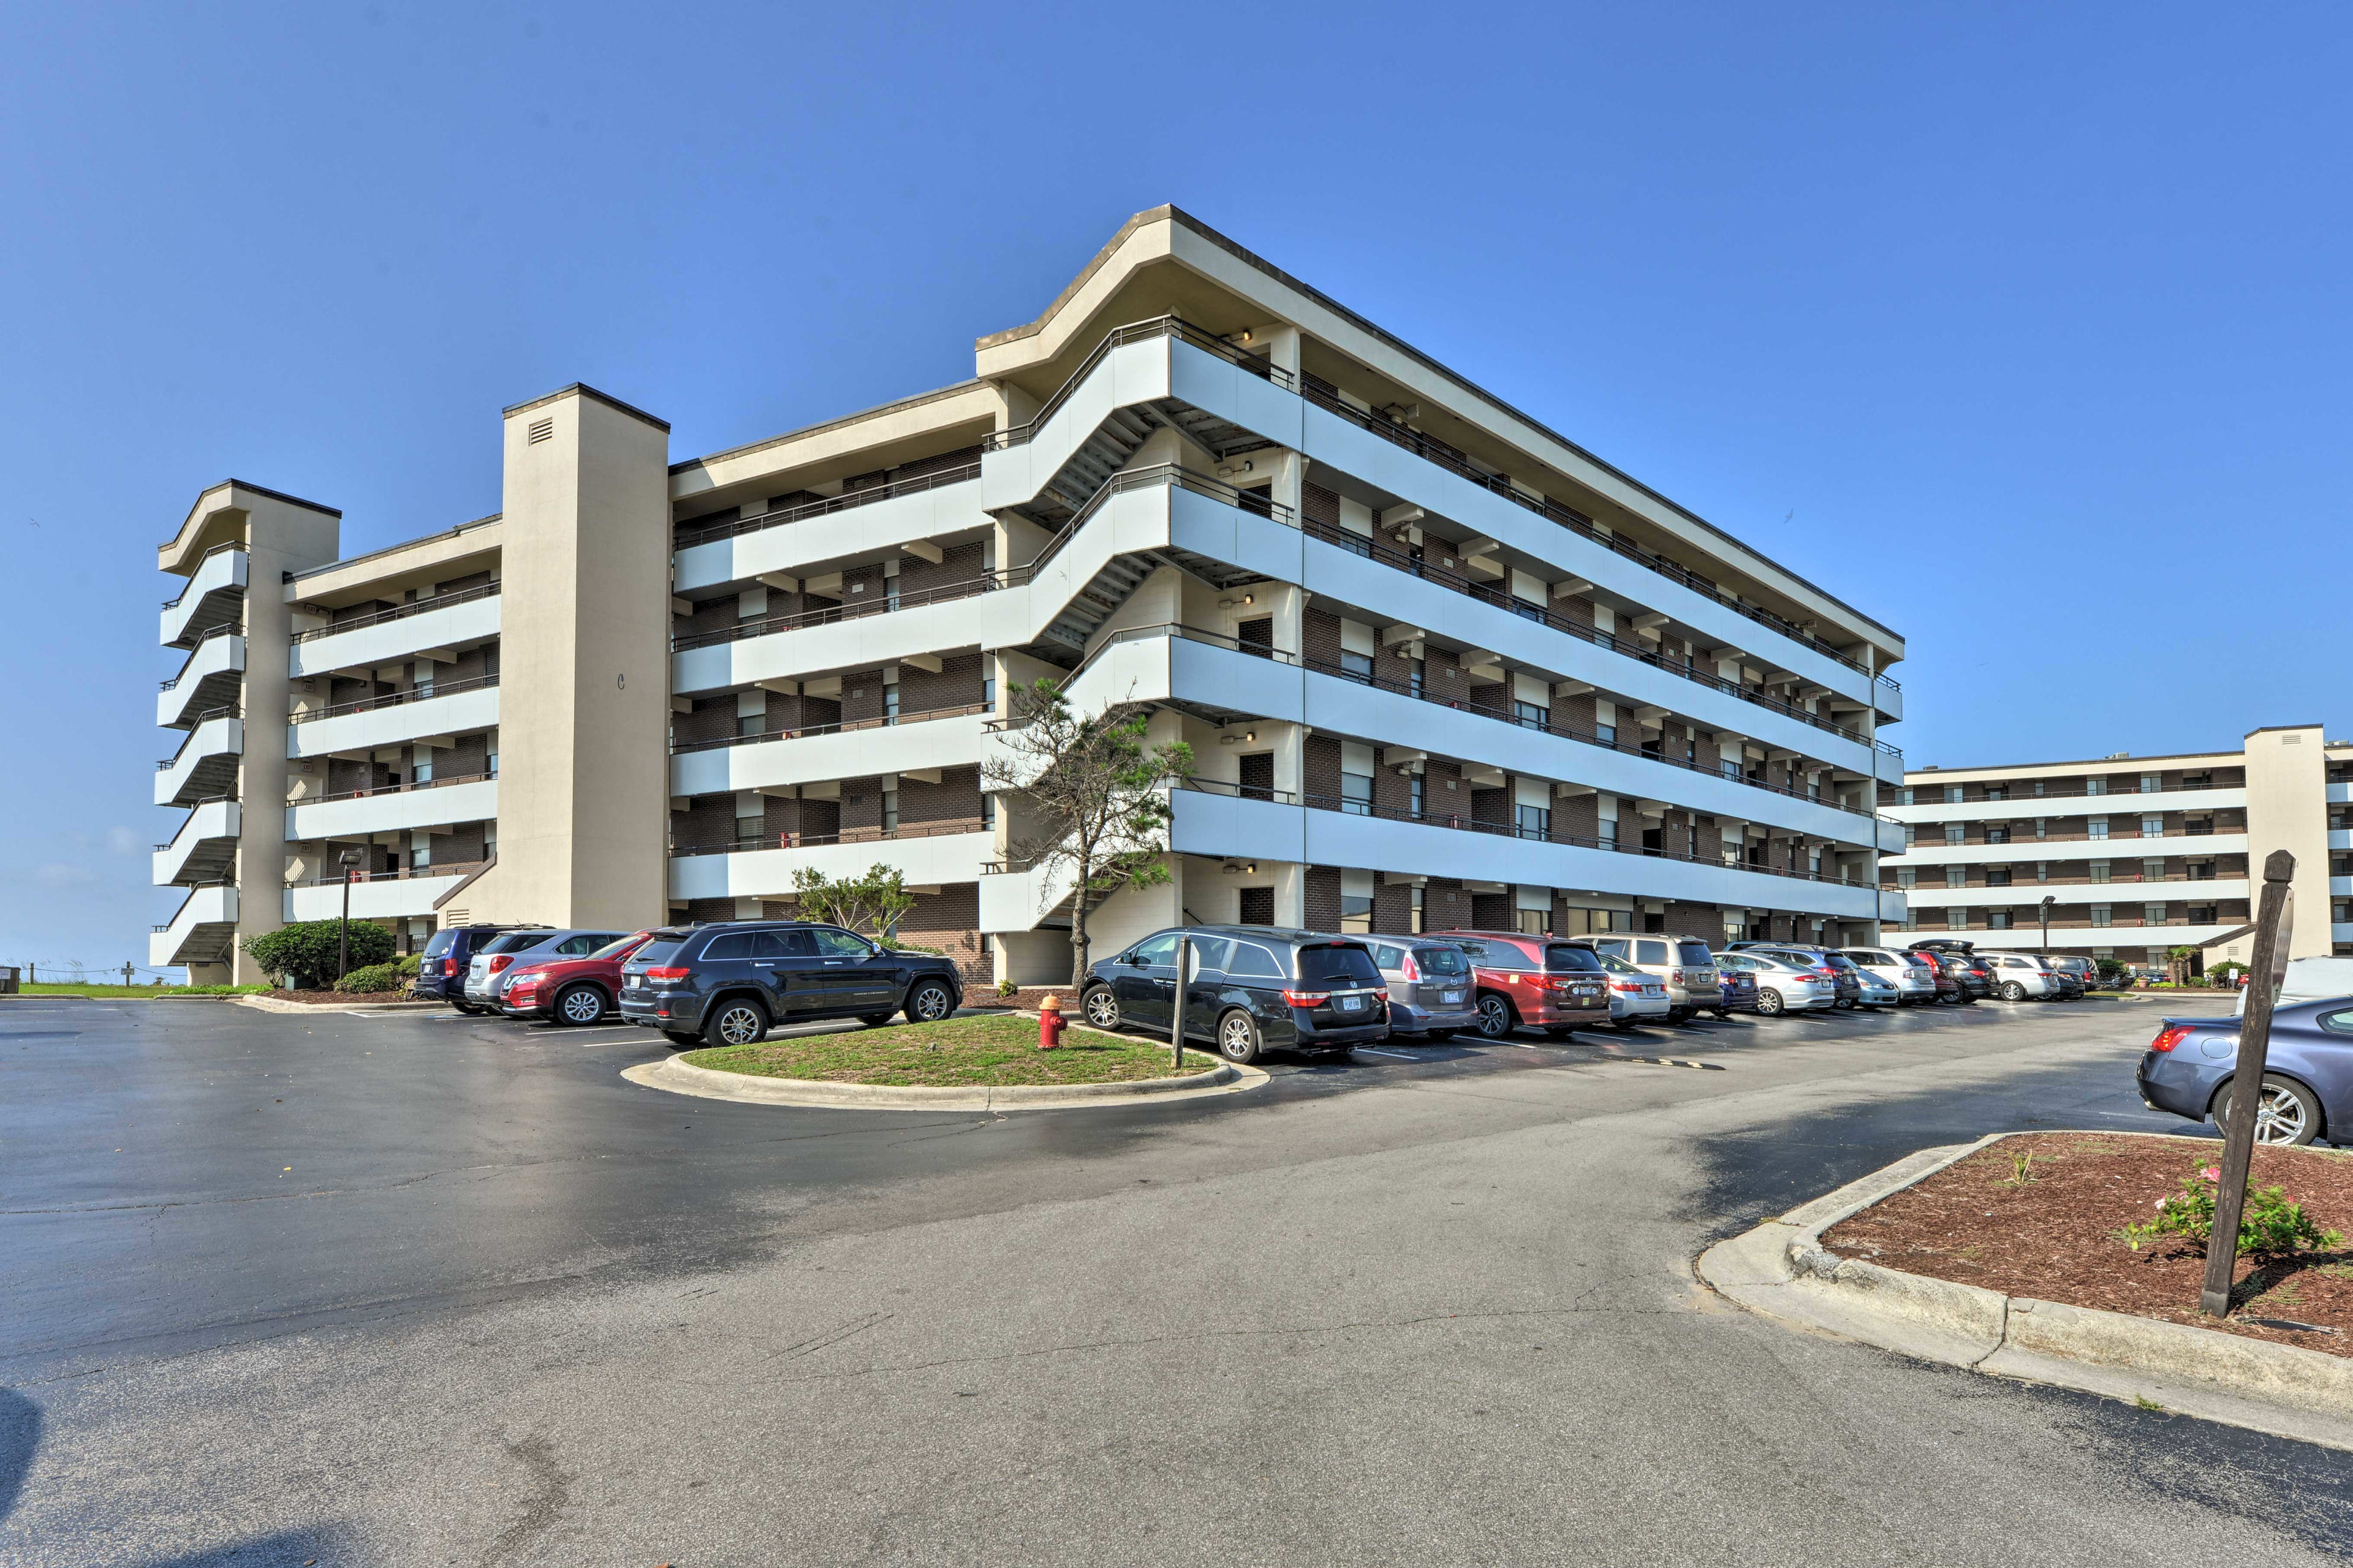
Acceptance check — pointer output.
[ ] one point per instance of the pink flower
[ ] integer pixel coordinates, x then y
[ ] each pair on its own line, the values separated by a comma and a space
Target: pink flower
2212, 1173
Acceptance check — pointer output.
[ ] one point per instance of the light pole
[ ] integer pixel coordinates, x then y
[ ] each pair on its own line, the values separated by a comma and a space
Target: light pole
2047, 901
350, 860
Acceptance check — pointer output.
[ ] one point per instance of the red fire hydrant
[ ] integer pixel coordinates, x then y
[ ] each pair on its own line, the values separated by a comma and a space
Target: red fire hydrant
1051, 1022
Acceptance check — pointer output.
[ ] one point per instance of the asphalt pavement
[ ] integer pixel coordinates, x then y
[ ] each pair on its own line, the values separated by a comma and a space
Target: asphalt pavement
379, 1288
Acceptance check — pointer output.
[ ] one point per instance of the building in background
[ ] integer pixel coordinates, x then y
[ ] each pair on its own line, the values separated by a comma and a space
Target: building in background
2140, 854
1439, 665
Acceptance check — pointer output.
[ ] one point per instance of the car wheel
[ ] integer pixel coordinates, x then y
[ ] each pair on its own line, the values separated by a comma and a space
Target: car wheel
677, 1038
1495, 1015
2286, 1114
929, 1002
1625, 1023
1435, 1036
466, 1007
580, 1005
1100, 1008
2011, 990
1561, 1032
875, 1020
738, 1021
1723, 1014
1238, 1038
1769, 1002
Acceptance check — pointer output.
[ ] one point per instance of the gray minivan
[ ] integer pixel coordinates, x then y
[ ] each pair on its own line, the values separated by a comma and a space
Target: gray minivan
1432, 992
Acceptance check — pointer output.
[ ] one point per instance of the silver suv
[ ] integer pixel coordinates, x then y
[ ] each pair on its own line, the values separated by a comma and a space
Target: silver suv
1684, 964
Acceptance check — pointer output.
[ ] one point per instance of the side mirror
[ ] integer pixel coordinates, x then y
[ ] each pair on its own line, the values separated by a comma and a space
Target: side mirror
1137, 960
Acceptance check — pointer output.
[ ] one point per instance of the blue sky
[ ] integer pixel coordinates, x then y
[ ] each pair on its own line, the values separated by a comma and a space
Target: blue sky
2021, 328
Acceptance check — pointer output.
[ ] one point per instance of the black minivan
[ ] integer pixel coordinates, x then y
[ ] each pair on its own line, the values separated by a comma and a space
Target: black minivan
1255, 988
728, 983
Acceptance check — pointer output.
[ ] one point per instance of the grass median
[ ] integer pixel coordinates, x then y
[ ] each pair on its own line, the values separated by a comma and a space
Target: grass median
984, 1051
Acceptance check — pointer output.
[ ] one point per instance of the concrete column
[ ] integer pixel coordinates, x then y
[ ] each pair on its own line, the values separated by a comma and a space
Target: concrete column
2287, 808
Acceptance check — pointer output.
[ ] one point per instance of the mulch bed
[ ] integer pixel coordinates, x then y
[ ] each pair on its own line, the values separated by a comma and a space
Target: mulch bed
2053, 1237
333, 998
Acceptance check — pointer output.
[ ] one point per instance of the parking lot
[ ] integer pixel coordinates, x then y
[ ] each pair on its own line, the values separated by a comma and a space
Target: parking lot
390, 1288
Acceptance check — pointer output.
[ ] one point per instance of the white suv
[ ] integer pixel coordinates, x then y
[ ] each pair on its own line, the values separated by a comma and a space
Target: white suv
1682, 963
2018, 975
1914, 979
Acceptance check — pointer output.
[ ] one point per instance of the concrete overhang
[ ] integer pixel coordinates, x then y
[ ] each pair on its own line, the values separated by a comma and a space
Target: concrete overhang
217, 516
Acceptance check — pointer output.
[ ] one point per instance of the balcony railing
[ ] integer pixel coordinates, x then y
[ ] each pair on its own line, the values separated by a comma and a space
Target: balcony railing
856, 610
2200, 832
1138, 332
2076, 794
399, 612
2030, 927
196, 653
396, 699
192, 807
942, 828
1256, 501
2121, 880
845, 727
404, 788
200, 721
398, 874
175, 603
686, 537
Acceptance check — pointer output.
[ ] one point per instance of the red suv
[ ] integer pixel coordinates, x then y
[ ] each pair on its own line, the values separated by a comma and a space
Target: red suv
582, 990
1542, 981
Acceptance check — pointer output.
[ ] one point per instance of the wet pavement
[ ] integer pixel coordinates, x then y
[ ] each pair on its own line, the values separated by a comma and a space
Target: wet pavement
379, 1287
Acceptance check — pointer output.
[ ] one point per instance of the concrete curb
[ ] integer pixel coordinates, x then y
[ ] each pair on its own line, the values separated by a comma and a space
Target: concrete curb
677, 1077
1780, 1270
273, 1004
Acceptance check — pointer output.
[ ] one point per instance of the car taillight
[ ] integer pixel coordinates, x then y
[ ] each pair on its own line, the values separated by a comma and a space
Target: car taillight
1827, 974
499, 963
448, 967
1306, 998
2170, 1037
672, 973
1678, 975
1411, 971
1624, 985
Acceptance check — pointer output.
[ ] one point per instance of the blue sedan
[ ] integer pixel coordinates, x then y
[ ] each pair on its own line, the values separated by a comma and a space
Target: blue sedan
2307, 1074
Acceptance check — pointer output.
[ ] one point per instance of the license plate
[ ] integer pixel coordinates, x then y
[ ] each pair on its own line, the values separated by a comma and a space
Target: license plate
1351, 1004
1450, 997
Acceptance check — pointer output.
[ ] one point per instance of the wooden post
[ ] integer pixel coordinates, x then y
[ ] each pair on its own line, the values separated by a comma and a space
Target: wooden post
2274, 923
1184, 996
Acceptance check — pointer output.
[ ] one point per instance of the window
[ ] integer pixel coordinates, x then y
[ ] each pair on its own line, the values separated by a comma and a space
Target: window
2152, 870
2152, 828
1535, 822
1534, 715
2151, 783
423, 771
2152, 914
1333, 962
1416, 923
1252, 959
2201, 870
2095, 786
1414, 796
2099, 914
1356, 794
1996, 876
2042, 870
1957, 876
1997, 919
1997, 834
1911, 835
987, 813
2098, 870
1955, 832
834, 942
1952, 794
1605, 733
1414, 670
494, 767
2041, 827
1210, 952
1905, 877
2201, 914
2096, 827
750, 723
988, 692
890, 696
1997, 792
1530, 922
1355, 666
420, 856
1904, 797
728, 946
1957, 919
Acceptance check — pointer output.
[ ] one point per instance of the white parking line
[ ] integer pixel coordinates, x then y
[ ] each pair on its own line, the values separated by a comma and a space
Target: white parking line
1399, 1056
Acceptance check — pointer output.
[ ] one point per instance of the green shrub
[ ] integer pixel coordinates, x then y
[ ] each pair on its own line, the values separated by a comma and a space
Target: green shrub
409, 963
303, 954
1007, 988
2272, 1225
374, 980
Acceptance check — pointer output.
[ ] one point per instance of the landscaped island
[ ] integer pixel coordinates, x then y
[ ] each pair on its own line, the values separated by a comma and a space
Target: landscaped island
981, 1052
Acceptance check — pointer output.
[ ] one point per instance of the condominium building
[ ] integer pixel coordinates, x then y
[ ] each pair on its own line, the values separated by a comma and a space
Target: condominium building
1438, 665
2138, 855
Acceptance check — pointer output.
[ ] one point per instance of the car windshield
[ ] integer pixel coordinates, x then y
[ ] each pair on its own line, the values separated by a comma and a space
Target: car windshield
442, 940
620, 949
516, 941
1616, 965
661, 949
1838, 960
1560, 955
1693, 954
1329, 964
1442, 960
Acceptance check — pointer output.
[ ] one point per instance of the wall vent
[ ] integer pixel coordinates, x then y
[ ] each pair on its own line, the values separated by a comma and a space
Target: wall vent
541, 430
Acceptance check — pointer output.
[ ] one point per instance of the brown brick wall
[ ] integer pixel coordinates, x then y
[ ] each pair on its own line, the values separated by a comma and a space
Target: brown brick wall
957, 797
1320, 505
957, 563
1492, 912
1446, 907
957, 684
1320, 767
1320, 630
949, 920
861, 804
713, 719
1392, 905
1323, 898
861, 695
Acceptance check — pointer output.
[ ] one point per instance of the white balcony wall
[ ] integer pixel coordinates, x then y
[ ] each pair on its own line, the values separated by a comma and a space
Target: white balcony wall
856, 754
223, 653
768, 873
213, 738
2026, 935
390, 813
793, 547
2027, 894
1889, 836
224, 573
1892, 909
2340, 838
389, 898
204, 914
459, 714
2340, 887
393, 641
2026, 851
2026, 809
213, 821
2338, 793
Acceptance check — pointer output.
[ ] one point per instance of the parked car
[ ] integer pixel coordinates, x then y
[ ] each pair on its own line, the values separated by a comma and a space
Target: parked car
448, 954
1636, 995
1783, 985
579, 991
1953, 956
2082, 971
1845, 979
2024, 977
1684, 964
2307, 1089
486, 976
1738, 987
728, 983
1430, 985
1553, 984
1877, 992
1255, 989
1913, 975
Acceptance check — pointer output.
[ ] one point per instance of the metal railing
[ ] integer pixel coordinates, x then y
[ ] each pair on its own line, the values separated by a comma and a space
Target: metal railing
857, 609
844, 727
1257, 502
404, 788
1138, 332
942, 829
2017, 800
398, 874
1929, 894
396, 699
686, 538
399, 612
175, 604
2206, 832
224, 630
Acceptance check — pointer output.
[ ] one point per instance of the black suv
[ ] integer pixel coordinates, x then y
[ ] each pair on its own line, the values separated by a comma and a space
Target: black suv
1254, 988
728, 983
448, 953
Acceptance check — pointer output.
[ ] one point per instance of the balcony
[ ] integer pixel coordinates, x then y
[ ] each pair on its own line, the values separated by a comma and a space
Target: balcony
205, 764
2128, 890
213, 599
2026, 934
1166, 359
927, 854
858, 523
2076, 803
2073, 846
205, 849
203, 932
387, 895
362, 813
448, 709
945, 737
392, 637
211, 680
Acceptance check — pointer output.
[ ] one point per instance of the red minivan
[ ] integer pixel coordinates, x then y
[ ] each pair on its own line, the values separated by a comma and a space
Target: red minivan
1540, 980
582, 990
